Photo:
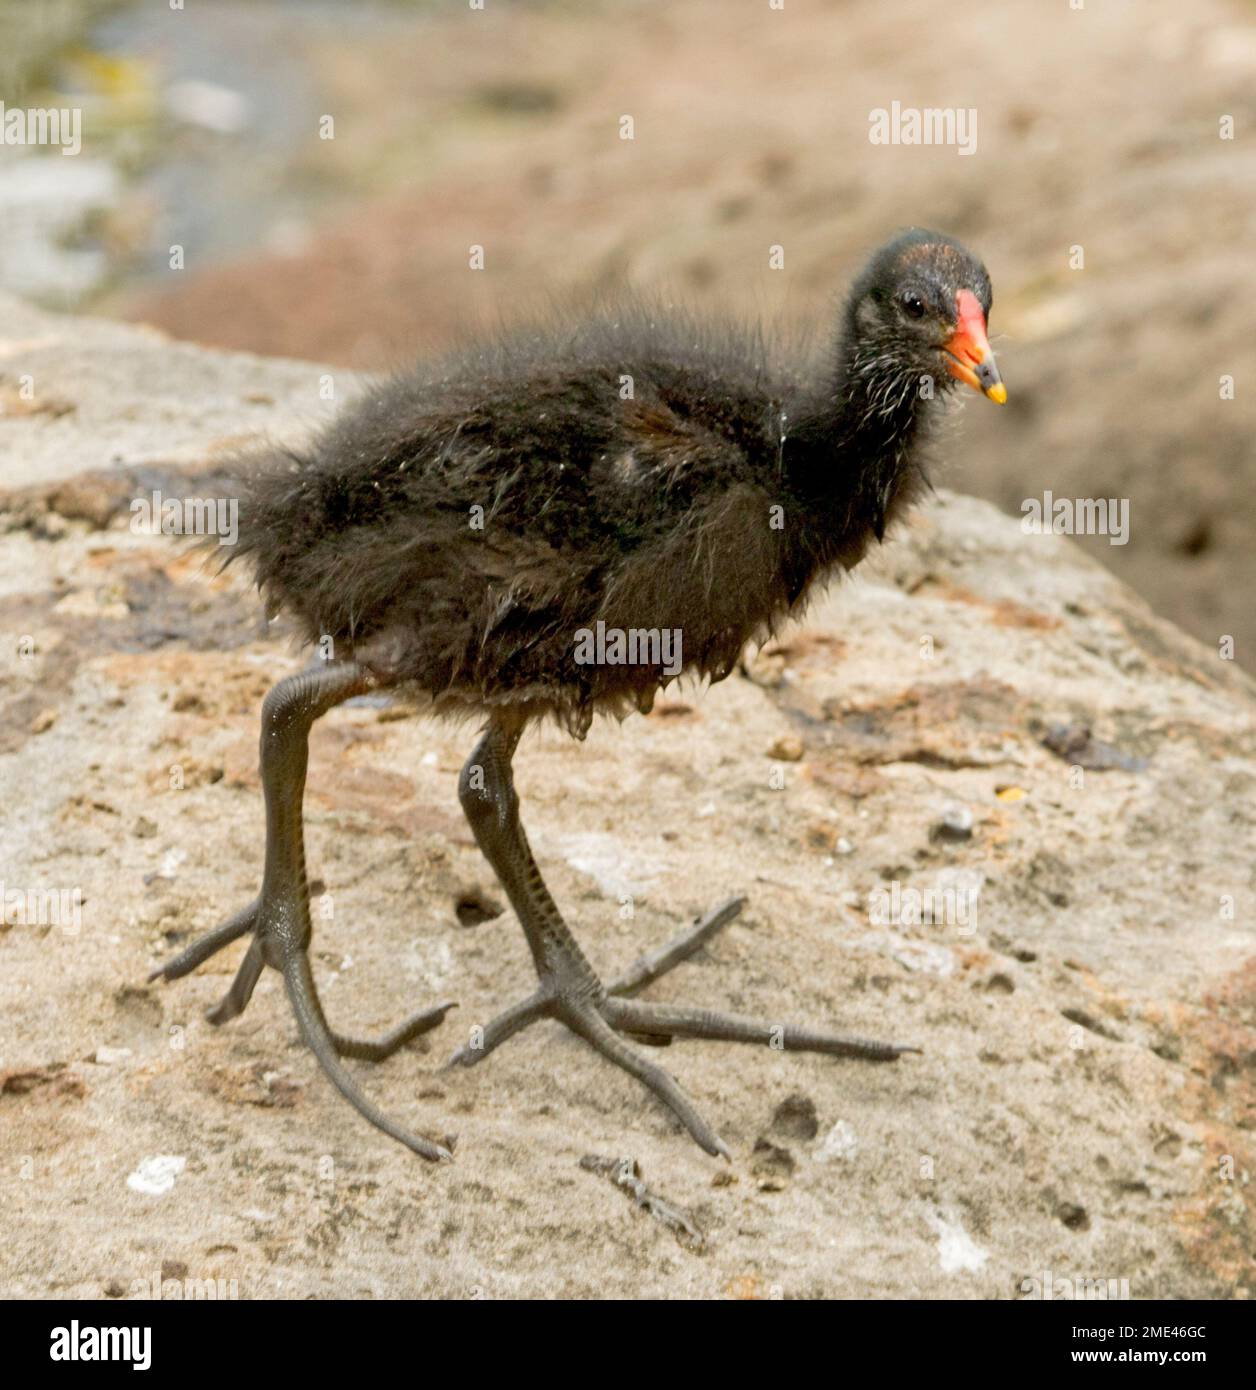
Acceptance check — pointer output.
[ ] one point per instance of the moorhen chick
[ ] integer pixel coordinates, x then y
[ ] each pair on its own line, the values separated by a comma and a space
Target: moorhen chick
461, 533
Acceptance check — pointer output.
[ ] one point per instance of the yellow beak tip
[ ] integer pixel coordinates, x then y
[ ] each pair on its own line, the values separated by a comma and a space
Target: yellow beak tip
997, 393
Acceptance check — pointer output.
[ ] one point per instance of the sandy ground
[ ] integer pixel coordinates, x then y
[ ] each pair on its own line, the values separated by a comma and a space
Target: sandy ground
1082, 1108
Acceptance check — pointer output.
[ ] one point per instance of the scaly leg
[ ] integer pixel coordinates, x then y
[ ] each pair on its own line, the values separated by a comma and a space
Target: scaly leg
570, 990
280, 917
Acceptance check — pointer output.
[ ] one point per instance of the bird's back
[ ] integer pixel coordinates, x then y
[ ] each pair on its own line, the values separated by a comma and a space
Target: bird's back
459, 524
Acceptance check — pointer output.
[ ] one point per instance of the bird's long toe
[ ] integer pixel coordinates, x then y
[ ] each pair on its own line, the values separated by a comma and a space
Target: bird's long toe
379, 1049
484, 1038
648, 968
679, 1021
589, 1023
208, 945
587, 1018
236, 999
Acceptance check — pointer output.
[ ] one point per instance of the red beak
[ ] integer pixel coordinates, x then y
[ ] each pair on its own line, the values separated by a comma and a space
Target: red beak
972, 361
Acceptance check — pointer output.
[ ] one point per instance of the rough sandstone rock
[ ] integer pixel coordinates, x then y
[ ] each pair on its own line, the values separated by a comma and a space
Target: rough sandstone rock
1083, 1105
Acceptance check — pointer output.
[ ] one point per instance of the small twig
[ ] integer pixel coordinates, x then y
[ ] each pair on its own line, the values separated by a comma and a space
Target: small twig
625, 1174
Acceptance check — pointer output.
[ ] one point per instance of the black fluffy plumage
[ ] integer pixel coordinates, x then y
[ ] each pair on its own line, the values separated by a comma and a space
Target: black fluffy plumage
458, 526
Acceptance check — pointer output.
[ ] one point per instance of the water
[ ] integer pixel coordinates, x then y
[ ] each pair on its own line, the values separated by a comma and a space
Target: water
200, 130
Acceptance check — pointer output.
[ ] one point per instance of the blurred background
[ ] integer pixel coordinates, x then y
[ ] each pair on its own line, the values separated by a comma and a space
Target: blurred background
1100, 126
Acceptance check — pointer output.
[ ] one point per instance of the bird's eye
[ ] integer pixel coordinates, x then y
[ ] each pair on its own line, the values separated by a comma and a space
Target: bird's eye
913, 306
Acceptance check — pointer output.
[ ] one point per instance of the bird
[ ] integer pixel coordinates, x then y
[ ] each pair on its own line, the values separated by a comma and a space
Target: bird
554, 524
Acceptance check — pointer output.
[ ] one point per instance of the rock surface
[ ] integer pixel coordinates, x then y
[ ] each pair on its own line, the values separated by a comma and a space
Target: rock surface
1083, 1105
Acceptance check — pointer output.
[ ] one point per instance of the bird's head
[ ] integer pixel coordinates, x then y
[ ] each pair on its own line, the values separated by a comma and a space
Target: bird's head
919, 310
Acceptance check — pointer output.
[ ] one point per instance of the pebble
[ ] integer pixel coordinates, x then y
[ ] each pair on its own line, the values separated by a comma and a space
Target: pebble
955, 824
923, 956
839, 1145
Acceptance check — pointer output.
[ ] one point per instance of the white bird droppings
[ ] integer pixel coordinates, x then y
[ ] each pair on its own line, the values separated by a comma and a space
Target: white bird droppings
155, 1176
958, 1253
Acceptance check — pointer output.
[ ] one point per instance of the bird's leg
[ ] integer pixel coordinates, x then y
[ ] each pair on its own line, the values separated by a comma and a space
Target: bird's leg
280, 917
571, 992
486, 789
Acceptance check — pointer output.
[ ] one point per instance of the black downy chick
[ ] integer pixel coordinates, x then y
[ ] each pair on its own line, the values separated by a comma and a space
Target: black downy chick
491, 532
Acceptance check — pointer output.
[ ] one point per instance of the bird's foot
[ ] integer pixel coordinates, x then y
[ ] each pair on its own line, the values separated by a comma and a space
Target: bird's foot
599, 1017
200, 950
236, 998
269, 946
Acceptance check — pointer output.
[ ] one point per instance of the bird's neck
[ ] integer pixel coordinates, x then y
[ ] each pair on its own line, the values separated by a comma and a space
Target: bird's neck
850, 451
